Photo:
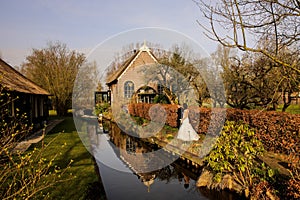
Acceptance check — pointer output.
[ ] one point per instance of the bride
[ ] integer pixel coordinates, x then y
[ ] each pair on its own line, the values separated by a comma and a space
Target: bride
186, 132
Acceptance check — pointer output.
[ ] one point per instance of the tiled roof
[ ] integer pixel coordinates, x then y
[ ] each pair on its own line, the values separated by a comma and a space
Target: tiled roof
127, 63
121, 69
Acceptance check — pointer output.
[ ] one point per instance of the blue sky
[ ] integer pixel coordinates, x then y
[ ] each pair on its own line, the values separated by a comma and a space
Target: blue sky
84, 24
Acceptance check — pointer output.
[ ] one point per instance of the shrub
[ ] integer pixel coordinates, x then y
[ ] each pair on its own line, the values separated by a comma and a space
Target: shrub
22, 175
101, 108
142, 110
293, 188
161, 99
278, 131
235, 153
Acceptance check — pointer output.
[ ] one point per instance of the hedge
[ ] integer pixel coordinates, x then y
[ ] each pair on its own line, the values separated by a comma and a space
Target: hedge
142, 110
279, 131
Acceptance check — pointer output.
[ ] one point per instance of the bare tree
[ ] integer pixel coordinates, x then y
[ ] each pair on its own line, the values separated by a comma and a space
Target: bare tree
239, 23
87, 81
251, 82
55, 68
221, 58
178, 73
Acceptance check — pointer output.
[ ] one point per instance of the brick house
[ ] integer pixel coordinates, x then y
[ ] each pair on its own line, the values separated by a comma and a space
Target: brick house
128, 82
28, 97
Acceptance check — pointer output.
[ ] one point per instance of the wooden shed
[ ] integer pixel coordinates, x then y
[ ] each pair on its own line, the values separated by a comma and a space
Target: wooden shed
28, 97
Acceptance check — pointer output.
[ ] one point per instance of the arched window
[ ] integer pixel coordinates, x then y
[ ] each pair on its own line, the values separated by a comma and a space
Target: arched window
128, 89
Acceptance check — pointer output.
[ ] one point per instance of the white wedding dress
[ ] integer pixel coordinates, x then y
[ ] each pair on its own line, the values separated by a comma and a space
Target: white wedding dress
186, 131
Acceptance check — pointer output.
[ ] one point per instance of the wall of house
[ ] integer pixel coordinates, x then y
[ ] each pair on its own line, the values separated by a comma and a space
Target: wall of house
35, 107
135, 73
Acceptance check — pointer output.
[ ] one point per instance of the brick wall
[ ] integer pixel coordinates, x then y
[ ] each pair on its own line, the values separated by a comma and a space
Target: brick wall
135, 73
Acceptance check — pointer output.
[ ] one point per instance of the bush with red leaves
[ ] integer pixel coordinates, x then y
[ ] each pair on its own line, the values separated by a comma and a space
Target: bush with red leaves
278, 131
293, 189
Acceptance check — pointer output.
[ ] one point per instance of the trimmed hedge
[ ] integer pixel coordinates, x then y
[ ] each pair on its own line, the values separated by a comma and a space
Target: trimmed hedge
142, 110
278, 131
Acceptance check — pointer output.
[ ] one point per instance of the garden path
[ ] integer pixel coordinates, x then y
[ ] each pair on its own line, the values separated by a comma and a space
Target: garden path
36, 137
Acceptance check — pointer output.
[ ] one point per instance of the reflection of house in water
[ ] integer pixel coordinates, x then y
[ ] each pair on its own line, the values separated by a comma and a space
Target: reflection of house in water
131, 150
123, 154
136, 154
147, 179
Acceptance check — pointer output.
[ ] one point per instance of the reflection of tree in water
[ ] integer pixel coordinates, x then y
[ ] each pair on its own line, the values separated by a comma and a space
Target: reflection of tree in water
170, 173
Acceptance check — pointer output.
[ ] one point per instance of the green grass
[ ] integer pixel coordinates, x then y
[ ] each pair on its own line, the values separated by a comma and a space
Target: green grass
67, 143
52, 112
294, 109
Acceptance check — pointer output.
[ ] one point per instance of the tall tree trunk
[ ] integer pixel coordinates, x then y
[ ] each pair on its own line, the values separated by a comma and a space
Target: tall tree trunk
61, 109
286, 100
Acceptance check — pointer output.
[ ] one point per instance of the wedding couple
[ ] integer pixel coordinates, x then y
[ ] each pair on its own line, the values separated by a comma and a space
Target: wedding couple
186, 131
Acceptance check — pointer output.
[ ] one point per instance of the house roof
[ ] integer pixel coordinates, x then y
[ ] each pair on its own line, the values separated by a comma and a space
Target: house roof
143, 50
15, 81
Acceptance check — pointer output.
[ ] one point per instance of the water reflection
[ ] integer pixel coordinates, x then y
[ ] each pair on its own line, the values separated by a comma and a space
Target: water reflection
125, 174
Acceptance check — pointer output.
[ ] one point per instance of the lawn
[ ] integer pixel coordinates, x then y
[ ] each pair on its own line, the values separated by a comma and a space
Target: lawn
294, 109
84, 183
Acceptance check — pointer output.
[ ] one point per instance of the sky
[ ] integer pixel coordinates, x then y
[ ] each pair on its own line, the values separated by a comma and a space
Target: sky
82, 25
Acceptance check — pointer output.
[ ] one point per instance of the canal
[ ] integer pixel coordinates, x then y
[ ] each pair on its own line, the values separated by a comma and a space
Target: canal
127, 176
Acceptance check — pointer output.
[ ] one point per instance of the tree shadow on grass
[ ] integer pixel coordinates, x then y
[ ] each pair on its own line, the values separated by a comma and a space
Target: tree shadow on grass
66, 126
65, 134
95, 191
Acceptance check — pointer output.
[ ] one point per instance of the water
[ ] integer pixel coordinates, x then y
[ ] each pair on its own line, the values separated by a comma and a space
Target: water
125, 177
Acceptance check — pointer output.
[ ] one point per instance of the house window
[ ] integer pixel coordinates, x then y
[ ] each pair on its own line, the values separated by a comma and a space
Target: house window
130, 145
128, 89
160, 89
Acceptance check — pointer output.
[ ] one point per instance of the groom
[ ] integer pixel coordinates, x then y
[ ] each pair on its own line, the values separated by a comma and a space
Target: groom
179, 115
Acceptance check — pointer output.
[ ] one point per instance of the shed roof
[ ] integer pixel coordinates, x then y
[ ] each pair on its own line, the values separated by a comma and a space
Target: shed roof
15, 81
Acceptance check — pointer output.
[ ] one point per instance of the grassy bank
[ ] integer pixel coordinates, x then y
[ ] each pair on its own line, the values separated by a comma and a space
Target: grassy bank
84, 183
